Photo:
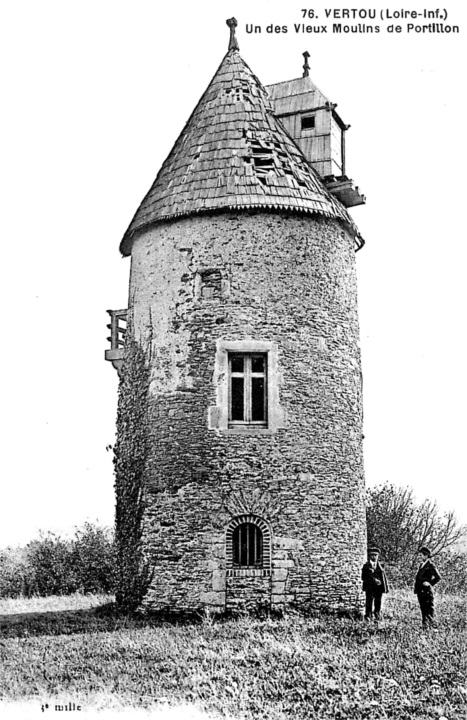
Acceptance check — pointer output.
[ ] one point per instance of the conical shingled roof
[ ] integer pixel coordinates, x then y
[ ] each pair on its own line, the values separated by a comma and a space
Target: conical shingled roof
234, 154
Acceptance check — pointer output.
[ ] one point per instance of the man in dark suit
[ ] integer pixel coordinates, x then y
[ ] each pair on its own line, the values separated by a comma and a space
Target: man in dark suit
374, 584
427, 576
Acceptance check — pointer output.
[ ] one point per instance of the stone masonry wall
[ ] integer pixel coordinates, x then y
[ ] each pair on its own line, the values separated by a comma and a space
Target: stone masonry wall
289, 281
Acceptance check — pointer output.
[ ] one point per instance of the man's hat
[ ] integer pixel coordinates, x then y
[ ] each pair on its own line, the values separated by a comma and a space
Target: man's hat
425, 551
373, 549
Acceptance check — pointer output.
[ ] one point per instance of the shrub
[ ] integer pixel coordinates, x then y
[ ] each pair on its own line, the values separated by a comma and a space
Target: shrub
49, 558
452, 567
93, 559
16, 577
51, 565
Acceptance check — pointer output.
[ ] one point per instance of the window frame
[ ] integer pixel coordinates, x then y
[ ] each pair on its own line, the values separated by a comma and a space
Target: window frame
304, 119
218, 414
234, 570
248, 375
252, 552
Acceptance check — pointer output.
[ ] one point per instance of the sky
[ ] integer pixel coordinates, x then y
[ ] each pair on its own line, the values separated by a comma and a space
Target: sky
94, 94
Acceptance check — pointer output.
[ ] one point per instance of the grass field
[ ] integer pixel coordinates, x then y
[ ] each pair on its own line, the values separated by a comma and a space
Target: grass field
60, 651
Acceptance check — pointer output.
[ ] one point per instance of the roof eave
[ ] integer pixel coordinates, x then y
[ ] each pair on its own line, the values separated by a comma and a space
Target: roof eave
129, 237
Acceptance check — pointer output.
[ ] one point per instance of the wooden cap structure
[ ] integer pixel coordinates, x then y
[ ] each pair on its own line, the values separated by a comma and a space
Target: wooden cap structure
234, 155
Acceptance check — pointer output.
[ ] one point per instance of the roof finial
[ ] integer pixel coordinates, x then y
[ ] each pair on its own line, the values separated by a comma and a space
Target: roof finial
233, 44
306, 67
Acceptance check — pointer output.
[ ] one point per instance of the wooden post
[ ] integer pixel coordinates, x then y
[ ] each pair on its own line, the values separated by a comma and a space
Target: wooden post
343, 151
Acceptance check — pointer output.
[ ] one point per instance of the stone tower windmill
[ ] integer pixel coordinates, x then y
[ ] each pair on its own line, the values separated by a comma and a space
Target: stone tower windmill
239, 455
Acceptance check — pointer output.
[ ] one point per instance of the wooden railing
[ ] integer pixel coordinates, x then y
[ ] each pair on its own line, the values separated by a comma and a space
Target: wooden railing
117, 327
117, 330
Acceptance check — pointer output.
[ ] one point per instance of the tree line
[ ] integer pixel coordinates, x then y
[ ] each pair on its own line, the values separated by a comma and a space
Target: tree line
396, 522
52, 565
399, 525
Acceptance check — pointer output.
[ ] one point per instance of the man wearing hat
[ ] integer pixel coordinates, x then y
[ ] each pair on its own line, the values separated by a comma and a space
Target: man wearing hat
374, 584
427, 576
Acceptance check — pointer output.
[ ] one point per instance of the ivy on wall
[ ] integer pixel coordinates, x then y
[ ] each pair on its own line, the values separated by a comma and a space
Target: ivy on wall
130, 452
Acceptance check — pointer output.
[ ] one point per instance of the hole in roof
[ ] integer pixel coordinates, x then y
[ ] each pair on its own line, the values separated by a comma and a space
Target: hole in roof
263, 162
259, 149
245, 86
